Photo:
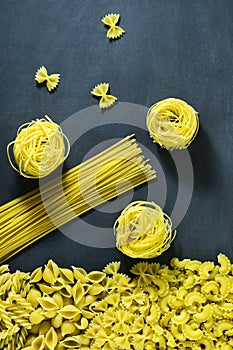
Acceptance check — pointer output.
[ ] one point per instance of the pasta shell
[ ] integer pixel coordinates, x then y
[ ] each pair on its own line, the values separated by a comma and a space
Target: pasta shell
38, 343
96, 276
36, 317
48, 276
67, 327
70, 343
33, 296
36, 275
57, 321
67, 275
51, 339
80, 274
77, 292
48, 303
44, 327
69, 311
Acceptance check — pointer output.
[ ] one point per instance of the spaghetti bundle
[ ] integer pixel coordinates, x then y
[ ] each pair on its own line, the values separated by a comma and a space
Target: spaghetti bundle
143, 230
39, 148
172, 123
102, 177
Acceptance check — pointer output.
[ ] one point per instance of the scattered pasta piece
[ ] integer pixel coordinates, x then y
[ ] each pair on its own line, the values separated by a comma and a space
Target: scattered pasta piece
39, 148
114, 31
163, 314
101, 90
52, 80
143, 230
172, 123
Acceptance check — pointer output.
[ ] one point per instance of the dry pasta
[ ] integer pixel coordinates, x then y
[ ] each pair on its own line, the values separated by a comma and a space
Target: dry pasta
143, 230
100, 178
52, 80
39, 148
101, 90
114, 31
172, 123
157, 314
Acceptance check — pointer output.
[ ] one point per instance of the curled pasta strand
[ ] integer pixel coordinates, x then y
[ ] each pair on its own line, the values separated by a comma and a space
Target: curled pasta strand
39, 148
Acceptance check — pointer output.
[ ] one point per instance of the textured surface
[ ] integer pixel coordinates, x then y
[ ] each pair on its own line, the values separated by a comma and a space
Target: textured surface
173, 48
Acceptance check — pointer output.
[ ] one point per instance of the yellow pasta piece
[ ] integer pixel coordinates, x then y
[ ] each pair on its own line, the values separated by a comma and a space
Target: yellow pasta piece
69, 311
222, 326
38, 343
180, 318
204, 315
101, 90
39, 148
114, 31
224, 285
112, 268
172, 123
225, 264
192, 332
52, 80
143, 230
205, 269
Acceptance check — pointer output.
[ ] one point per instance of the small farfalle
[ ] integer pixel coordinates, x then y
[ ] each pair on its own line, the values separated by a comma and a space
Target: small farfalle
112, 268
52, 80
101, 90
114, 31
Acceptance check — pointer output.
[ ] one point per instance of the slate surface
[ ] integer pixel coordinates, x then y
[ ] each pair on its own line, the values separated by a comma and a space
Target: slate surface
171, 48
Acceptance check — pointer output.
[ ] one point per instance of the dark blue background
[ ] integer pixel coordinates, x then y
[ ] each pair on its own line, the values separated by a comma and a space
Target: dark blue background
178, 48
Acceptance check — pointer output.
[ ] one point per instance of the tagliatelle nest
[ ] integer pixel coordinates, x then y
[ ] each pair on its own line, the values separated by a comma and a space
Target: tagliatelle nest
172, 123
143, 230
39, 148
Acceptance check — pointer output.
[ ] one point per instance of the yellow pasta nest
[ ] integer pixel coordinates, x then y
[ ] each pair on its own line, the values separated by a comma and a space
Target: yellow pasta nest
172, 123
39, 148
101, 90
52, 80
62, 308
114, 31
143, 230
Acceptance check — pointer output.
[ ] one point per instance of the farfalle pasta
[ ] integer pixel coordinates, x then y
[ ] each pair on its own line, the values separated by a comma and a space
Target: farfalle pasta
114, 32
52, 80
101, 90
59, 308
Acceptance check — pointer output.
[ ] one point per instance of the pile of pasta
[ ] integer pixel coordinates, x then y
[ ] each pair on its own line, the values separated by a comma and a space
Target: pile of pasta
187, 305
